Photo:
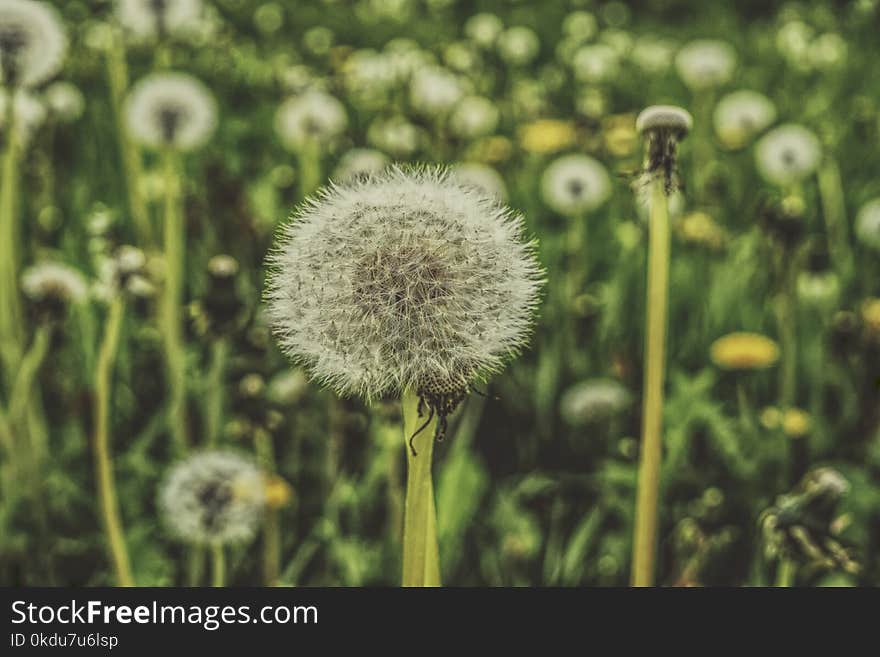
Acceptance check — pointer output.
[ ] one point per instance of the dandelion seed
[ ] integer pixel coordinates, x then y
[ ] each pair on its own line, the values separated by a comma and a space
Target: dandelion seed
868, 224
400, 282
482, 177
213, 498
32, 43
706, 64
171, 110
313, 117
741, 115
787, 154
574, 184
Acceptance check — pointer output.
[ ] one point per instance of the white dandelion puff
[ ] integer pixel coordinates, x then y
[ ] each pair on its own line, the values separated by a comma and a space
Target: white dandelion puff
595, 63
474, 116
32, 43
741, 115
434, 90
30, 113
395, 135
705, 64
868, 224
408, 280
54, 281
483, 29
65, 101
518, 45
787, 154
147, 19
313, 117
593, 400
483, 177
575, 184
652, 55
360, 163
171, 110
213, 498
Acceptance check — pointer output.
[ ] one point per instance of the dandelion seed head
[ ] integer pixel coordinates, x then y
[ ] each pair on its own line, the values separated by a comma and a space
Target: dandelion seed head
593, 400
65, 101
405, 278
30, 113
868, 224
664, 118
147, 19
741, 115
574, 184
171, 110
518, 45
595, 63
54, 281
359, 163
32, 43
787, 154
474, 116
706, 64
483, 177
483, 29
434, 90
213, 498
313, 117
395, 135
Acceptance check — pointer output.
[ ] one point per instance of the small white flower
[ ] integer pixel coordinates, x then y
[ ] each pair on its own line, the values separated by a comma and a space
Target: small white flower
65, 101
519, 45
32, 42
474, 116
395, 135
574, 184
54, 281
435, 90
483, 29
741, 115
483, 177
29, 113
147, 19
593, 400
213, 498
360, 163
868, 224
595, 63
706, 64
313, 117
787, 154
408, 280
171, 110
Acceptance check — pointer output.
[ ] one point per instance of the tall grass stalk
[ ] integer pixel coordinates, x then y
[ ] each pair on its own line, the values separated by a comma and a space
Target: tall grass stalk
172, 317
645, 539
421, 556
103, 458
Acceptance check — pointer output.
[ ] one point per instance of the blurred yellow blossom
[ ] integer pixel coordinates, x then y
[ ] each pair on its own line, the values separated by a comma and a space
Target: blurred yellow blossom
744, 351
547, 136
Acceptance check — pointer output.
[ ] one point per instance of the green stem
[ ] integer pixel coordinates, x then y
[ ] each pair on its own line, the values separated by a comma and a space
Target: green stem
834, 212
215, 392
218, 566
28, 368
11, 333
785, 573
132, 165
645, 538
421, 558
309, 168
103, 459
272, 522
172, 322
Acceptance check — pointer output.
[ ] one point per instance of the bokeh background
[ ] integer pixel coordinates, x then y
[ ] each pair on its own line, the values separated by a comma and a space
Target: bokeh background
536, 480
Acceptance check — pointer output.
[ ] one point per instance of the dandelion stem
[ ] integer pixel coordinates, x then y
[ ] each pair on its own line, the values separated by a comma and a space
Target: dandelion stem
834, 211
103, 458
174, 238
421, 557
11, 334
645, 539
309, 168
132, 166
272, 522
218, 566
785, 572
215, 390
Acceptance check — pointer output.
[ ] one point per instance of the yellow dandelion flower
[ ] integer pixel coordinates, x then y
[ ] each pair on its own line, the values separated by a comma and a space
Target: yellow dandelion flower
700, 228
491, 150
620, 135
744, 351
871, 314
278, 492
796, 423
547, 136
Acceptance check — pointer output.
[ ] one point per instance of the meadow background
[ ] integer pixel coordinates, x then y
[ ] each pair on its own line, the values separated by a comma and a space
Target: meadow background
536, 481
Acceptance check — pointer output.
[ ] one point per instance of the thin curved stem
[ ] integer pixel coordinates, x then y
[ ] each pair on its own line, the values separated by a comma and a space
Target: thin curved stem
103, 458
645, 538
421, 556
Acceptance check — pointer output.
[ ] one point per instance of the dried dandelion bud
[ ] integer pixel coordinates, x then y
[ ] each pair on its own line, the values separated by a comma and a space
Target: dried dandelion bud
664, 126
